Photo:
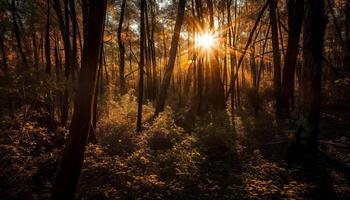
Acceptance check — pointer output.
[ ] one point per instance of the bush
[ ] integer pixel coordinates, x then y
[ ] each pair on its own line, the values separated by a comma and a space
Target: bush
217, 136
163, 132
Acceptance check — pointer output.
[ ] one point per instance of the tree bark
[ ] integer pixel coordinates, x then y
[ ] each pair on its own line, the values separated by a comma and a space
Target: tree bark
74, 60
3, 54
73, 155
347, 36
35, 51
17, 34
295, 22
47, 41
314, 29
217, 88
122, 85
65, 35
141, 66
172, 56
57, 59
276, 56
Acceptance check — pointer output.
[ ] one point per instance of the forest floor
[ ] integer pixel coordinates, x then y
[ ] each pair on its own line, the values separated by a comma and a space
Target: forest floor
215, 159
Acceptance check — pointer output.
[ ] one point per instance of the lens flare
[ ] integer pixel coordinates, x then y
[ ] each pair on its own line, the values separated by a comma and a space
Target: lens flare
206, 40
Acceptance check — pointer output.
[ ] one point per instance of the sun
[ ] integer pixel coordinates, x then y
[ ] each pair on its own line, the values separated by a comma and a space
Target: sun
206, 40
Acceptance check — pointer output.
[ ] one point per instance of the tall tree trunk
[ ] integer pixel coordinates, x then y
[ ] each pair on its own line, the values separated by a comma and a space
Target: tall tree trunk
141, 66
3, 54
17, 33
228, 5
64, 29
35, 51
74, 60
153, 53
73, 155
276, 56
172, 56
47, 41
314, 29
85, 12
295, 22
217, 87
57, 59
148, 57
347, 35
122, 85
68, 60
64, 33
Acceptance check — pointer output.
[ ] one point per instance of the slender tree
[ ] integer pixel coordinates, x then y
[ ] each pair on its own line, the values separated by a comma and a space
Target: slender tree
122, 85
295, 21
276, 56
74, 60
141, 66
172, 56
3, 53
73, 155
47, 41
347, 36
17, 33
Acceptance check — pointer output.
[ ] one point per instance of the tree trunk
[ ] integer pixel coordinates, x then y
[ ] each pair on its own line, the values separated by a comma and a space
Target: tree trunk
153, 53
74, 60
172, 56
295, 22
314, 29
47, 41
141, 66
35, 51
64, 29
347, 35
3, 54
57, 59
65, 35
85, 12
276, 56
122, 85
17, 33
217, 88
73, 155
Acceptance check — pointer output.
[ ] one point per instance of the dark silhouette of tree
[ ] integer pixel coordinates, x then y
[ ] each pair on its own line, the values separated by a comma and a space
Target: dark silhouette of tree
73, 155
122, 84
141, 66
276, 55
314, 29
172, 56
295, 22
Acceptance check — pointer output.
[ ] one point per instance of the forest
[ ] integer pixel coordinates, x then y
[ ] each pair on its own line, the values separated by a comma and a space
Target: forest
174, 99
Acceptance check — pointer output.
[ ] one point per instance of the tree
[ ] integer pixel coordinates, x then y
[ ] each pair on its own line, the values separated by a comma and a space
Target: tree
17, 33
347, 35
122, 86
47, 41
73, 155
295, 22
64, 34
141, 66
74, 60
217, 93
3, 53
276, 56
172, 56
313, 33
